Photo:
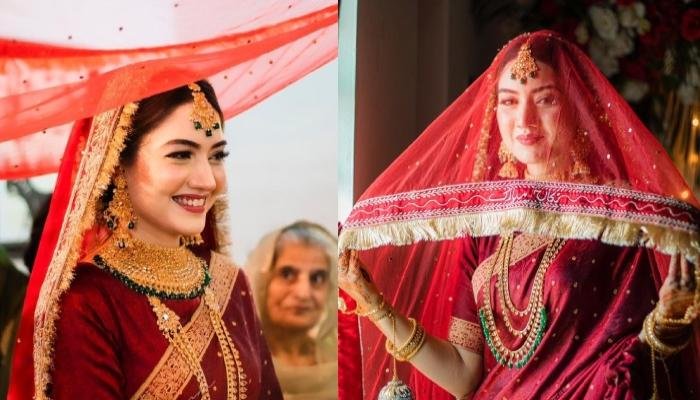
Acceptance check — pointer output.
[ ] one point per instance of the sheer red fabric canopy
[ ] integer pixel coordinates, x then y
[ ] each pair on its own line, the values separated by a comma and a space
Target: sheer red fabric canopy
89, 58
424, 224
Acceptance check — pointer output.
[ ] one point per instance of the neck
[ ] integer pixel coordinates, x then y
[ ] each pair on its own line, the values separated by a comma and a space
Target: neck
146, 234
293, 347
553, 169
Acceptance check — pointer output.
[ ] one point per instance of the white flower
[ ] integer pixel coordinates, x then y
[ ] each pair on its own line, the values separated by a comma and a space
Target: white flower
581, 33
621, 46
599, 54
687, 94
631, 16
634, 90
604, 21
644, 26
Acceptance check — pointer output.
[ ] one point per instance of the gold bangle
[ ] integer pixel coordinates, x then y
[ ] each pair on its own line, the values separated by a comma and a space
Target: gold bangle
391, 349
654, 342
411, 347
675, 322
416, 345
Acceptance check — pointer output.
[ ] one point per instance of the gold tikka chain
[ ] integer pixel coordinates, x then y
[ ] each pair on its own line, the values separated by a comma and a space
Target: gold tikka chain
169, 323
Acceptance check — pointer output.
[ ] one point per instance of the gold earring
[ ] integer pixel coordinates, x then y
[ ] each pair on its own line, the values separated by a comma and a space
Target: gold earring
580, 171
119, 215
508, 169
191, 240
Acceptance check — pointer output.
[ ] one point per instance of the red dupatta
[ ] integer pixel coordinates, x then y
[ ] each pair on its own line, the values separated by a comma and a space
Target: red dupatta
411, 223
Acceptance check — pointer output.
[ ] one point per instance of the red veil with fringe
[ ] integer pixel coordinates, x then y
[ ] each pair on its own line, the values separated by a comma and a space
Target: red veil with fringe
429, 227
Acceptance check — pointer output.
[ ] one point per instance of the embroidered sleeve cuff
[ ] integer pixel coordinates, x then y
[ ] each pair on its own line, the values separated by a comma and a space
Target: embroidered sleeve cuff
466, 334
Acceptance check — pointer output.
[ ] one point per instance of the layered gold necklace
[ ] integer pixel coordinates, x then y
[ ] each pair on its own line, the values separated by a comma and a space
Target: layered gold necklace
535, 311
175, 273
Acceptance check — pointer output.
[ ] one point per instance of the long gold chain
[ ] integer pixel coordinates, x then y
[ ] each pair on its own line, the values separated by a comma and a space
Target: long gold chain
535, 302
169, 324
537, 314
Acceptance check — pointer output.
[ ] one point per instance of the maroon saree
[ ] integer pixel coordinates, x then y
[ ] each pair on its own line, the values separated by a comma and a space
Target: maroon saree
108, 345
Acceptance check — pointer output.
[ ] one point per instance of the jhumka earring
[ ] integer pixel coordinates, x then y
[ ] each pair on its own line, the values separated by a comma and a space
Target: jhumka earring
580, 170
204, 116
193, 240
525, 65
119, 216
508, 169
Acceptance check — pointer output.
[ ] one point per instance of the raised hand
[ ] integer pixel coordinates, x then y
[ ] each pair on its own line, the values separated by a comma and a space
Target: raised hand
356, 281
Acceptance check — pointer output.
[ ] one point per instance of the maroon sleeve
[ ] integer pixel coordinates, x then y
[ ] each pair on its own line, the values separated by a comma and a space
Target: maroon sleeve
269, 385
85, 355
465, 328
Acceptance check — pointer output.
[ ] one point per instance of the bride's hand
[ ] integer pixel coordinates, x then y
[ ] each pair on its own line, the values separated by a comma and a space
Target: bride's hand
356, 282
678, 291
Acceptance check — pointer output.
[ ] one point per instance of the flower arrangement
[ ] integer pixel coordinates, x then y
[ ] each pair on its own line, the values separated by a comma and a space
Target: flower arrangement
644, 47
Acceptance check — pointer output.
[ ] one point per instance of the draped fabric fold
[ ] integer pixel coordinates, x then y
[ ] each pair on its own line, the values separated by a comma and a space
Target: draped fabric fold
45, 86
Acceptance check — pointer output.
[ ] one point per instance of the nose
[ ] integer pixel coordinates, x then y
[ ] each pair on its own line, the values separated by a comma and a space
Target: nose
202, 176
302, 288
526, 115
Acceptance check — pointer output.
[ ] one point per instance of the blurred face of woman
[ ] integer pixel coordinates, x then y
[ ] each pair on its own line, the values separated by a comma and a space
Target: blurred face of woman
532, 120
298, 288
177, 175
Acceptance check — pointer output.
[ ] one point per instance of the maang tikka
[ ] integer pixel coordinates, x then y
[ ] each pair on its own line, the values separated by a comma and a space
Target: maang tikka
119, 215
204, 115
525, 65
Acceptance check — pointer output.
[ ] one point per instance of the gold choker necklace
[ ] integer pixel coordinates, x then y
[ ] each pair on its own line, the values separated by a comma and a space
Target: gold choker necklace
165, 272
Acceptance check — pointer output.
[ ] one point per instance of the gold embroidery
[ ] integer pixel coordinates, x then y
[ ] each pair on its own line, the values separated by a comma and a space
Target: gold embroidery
466, 334
523, 246
172, 373
101, 154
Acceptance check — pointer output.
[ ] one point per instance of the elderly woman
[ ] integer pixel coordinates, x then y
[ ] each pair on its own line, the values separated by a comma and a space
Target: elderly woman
294, 274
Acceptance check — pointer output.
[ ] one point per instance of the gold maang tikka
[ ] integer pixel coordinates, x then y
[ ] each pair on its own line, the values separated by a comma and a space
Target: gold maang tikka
525, 65
204, 116
119, 215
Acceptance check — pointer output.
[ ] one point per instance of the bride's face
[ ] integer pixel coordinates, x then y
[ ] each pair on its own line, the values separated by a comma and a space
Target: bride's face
177, 174
531, 117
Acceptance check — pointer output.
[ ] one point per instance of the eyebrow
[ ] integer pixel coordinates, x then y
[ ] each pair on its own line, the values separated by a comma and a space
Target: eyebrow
536, 90
194, 145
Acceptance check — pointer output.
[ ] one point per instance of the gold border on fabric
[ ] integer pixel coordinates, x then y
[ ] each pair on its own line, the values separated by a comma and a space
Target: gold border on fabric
523, 246
466, 334
98, 159
537, 222
172, 373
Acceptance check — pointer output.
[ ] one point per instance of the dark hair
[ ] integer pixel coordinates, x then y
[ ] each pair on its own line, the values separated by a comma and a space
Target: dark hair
152, 111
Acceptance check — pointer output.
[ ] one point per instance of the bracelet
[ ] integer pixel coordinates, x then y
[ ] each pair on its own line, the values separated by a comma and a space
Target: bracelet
654, 342
381, 314
391, 349
415, 345
411, 347
371, 312
675, 322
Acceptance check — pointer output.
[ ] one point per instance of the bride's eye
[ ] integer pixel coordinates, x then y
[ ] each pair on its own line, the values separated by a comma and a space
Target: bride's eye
180, 155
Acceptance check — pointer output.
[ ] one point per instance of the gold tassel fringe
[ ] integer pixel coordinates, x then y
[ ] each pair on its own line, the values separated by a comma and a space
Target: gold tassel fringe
568, 226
